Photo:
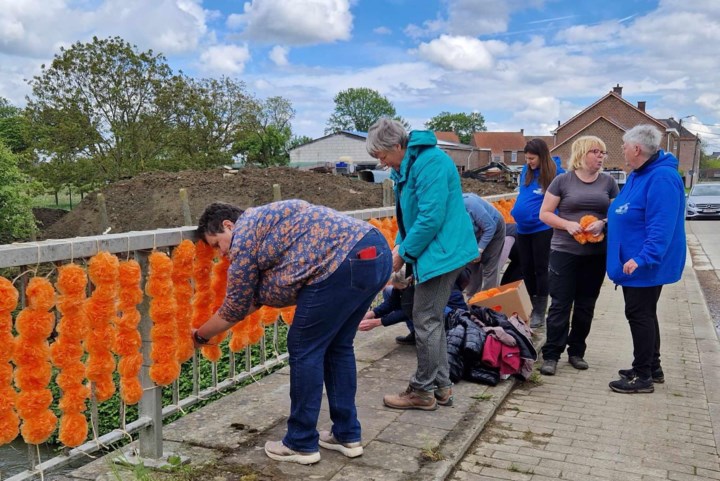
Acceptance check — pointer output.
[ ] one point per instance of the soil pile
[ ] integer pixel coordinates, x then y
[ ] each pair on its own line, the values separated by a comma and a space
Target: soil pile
151, 201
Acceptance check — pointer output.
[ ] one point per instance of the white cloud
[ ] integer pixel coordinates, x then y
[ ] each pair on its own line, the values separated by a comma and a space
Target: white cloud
382, 31
225, 59
278, 55
457, 53
294, 22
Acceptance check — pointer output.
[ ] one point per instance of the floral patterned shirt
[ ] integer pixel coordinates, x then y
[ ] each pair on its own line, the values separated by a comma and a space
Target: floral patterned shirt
278, 248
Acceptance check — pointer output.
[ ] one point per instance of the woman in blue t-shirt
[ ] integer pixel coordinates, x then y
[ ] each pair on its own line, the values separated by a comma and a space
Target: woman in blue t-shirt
533, 236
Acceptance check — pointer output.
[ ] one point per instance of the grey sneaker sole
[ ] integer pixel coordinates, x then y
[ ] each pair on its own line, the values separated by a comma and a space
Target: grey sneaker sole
432, 407
348, 452
295, 458
634, 391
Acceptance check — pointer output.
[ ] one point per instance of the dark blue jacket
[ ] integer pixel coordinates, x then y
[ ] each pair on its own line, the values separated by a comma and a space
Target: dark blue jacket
646, 222
526, 210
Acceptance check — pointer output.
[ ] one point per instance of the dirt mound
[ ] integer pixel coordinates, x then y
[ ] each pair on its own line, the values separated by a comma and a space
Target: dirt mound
152, 200
46, 217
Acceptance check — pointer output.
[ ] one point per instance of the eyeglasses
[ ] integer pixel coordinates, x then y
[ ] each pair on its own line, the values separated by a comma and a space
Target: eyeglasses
598, 152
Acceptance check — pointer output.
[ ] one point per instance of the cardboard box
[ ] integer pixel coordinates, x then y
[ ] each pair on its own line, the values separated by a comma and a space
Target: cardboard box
513, 297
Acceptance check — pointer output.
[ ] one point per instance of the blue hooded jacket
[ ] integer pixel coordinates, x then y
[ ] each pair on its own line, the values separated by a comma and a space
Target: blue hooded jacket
646, 222
439, 235
526, 210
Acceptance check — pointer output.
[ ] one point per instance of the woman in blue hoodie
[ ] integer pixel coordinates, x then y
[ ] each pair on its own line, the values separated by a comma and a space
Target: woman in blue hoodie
533, 235
435, 241
646, 248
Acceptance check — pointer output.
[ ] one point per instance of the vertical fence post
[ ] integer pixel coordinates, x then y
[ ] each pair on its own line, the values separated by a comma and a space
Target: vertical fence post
277, 195
104, 219
388, 196
150, 438
185, 204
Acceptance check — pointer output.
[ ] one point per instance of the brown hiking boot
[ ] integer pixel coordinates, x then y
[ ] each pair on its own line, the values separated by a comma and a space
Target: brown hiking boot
411, 399
444, 396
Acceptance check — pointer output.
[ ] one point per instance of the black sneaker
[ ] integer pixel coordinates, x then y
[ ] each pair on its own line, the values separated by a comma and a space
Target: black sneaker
408, 340
632, 385
578, 362
549, 366
658, 376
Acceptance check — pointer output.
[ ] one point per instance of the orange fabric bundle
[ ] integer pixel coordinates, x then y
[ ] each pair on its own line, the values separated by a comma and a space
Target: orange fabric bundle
128, 340
584, 237
268, 315
100, 311
241, 331
9, 420
32, 358
182, 258
202, 269
255, 329
218, 284
165, 368
486, 294
67, 354
504, 206
385, 230
288, 313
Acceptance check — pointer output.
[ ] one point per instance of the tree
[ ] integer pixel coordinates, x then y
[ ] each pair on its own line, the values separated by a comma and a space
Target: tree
358, 108
100, 100
16, 218
266, 143
298, 140
14, 130
464, 125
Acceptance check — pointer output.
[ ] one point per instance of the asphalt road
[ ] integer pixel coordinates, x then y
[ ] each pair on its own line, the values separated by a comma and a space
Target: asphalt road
704, 244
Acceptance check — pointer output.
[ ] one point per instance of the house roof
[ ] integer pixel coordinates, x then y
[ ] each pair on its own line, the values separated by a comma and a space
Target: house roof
549, 139
499, 141
674, 124
609, 94
448, 136
579, 132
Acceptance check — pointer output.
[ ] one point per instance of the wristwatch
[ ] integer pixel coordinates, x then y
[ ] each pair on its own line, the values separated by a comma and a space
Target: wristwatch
199, 339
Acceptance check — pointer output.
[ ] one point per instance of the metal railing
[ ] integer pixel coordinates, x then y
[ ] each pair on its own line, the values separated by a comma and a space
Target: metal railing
151, 412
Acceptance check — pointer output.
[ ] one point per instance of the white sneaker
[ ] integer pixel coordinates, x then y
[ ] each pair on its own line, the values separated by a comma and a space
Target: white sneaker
351, 450
279, 452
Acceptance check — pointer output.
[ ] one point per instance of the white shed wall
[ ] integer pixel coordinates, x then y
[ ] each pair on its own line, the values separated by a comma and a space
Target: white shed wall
330, 149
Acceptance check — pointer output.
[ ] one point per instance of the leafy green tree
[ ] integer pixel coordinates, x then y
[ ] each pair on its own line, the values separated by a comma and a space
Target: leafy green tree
298, 140
16, 218
14, 130
464, 125
100, 100
266, 143
358, 108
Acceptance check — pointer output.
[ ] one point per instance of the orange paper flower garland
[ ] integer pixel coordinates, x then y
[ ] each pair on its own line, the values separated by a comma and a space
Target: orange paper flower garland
127, 338
165, 368
202, 270
67, 352
100, 310
287, 314
218, 284
584, 237
32, 358
9, 420
240, 335
182, 258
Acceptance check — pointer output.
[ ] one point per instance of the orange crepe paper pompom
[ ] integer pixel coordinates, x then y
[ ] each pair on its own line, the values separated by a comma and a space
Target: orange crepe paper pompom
218, 284
584, 237
483, 295
34, 324
287, 314
268, 315
9, 420
182, 258
204, 296
128, 340
241, 331
101, 311
165, 368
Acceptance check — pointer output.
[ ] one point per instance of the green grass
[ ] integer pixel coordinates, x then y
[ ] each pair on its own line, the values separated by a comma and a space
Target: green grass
48, 201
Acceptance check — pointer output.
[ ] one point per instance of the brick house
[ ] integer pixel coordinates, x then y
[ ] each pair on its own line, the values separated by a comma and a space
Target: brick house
610, 117
504, 147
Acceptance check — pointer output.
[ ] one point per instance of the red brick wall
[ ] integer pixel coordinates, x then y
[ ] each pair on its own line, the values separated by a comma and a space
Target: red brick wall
609, 133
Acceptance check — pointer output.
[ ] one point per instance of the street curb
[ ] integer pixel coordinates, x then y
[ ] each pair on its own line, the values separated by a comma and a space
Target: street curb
442, 469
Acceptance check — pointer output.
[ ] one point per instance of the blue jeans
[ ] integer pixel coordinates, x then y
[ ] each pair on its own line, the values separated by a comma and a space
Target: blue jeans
320, 345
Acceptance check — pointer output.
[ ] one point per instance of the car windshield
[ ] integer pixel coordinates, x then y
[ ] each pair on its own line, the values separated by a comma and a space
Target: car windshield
706, 190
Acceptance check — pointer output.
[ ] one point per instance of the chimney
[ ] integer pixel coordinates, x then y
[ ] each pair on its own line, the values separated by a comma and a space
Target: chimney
617, 89
522, 131
641, 105
558, 123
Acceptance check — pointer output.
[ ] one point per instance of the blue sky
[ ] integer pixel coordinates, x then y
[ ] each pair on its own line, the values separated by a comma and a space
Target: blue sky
524, 64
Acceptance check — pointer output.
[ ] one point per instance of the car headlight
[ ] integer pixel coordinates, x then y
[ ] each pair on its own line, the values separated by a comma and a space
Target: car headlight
691, 204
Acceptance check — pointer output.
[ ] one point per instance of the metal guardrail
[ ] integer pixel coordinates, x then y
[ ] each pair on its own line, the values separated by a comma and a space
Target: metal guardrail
148, 425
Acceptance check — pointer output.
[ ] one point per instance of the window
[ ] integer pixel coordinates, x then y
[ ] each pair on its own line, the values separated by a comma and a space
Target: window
513, 157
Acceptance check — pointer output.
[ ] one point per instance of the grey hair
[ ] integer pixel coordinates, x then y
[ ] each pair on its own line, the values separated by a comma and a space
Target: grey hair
646, 136
385, 134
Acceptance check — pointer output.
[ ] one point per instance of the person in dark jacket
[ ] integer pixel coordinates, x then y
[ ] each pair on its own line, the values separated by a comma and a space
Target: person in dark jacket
646, 248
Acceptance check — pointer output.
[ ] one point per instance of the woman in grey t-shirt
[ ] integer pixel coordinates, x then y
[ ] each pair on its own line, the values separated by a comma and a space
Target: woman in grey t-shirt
576, 270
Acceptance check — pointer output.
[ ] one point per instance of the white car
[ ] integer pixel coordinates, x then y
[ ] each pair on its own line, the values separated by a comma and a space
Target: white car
703, 201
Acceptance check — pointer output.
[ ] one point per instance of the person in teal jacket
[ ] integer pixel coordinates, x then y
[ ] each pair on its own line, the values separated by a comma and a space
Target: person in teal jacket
435, 240
646, 248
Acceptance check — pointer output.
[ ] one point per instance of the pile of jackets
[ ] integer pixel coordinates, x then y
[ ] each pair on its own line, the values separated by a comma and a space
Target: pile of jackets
485, 346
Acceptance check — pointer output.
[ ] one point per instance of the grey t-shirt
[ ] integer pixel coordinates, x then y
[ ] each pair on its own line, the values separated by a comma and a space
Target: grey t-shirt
578, 198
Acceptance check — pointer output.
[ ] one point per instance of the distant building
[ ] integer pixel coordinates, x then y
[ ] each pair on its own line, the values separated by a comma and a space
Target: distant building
610, 117
507, 147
